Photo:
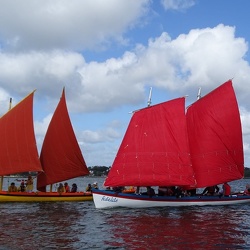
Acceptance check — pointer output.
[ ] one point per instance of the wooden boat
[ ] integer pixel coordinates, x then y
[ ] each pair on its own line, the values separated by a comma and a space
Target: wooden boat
166, 145
60, 159
6, 196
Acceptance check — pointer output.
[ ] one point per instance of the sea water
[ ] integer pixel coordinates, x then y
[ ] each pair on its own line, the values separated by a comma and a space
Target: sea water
79, 225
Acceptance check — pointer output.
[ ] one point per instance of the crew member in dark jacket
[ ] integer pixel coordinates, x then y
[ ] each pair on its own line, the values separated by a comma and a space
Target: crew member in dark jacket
212, 190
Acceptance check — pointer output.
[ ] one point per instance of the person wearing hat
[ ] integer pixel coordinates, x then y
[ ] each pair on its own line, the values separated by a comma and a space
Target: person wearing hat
22, 187
12, 187
95, 185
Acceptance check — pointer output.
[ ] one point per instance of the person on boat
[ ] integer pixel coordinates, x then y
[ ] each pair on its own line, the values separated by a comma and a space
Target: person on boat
73, 188
95, 185
166, 191
12, 187
129, 189
150, 191
22, 187
29, 184
66, 186
187, 191
162, 191
61, 188
247, 190
226, 189
212, 190
179, 192
137, 191
88, 188
118, 189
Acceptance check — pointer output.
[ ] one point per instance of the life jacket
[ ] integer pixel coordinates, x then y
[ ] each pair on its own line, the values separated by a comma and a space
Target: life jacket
67, 190
12, 189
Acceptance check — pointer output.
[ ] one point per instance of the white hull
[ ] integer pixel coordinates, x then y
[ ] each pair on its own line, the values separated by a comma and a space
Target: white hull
107, 199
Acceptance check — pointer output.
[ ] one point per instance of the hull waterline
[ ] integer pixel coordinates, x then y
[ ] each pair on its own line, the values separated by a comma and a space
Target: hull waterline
107, 199
44, 196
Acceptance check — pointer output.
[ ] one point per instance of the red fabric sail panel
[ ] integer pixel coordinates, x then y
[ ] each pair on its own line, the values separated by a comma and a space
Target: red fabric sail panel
215, 137
154, 150
60, 156
18, 151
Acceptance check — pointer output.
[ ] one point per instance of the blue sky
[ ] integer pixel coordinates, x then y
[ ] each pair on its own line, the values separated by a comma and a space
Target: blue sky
107, 55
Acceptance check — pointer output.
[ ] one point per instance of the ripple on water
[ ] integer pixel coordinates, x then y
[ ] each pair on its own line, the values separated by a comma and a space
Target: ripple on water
78, 225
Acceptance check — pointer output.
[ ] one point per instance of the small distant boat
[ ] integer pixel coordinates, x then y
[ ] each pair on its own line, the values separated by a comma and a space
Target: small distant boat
167, 145
60, 160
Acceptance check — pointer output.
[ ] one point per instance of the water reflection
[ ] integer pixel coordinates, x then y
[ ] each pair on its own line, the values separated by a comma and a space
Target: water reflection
29, 224
78, 225
181, 228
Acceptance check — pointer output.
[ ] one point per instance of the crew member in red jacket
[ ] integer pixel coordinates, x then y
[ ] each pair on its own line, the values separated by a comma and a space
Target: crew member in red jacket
226, 189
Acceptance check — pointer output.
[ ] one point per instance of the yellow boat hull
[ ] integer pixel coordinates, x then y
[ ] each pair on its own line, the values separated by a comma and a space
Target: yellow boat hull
44, 196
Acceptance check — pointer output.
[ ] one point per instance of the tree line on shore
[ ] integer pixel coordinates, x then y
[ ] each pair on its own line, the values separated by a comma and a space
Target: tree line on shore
103, 171
247, 172
98, 170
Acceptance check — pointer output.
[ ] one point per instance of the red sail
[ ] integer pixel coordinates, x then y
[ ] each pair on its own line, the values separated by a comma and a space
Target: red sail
154, 151
18, 144
215, 137
61, 156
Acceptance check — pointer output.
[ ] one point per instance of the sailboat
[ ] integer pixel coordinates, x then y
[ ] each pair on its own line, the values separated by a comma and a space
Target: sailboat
60, 159
167, 145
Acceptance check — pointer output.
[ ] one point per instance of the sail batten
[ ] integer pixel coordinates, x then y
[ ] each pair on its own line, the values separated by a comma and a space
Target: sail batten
61, 157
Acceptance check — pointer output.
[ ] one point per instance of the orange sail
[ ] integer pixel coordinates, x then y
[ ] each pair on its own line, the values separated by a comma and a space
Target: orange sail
61, 157
18, 144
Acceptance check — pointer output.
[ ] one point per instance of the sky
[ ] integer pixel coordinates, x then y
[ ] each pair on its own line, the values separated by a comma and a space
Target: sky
108, 54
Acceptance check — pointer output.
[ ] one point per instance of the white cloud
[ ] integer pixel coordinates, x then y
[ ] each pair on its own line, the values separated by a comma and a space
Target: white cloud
177, 4
245, 119
4, 101
202, 58
41, 129
44, 70
74, 24
108, 134
101, 144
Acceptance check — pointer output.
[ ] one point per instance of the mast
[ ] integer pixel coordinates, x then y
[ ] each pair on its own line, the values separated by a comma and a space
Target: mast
149, 97
148, 102
10, 104
199, 93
